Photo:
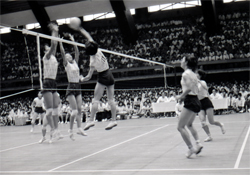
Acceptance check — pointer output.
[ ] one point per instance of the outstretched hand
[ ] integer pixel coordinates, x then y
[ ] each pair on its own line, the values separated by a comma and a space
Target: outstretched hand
71, 37
53, 27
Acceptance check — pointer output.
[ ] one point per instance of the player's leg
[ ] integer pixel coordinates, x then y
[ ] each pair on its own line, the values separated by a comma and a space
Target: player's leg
48, 100
33, 121
183, 121
79, 113
99, 89
55, 116
73, 105
210, 116
110, 95
45, 123
202, 116
194, 133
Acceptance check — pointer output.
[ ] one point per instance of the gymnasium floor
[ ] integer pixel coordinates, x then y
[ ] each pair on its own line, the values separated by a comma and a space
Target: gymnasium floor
143, 146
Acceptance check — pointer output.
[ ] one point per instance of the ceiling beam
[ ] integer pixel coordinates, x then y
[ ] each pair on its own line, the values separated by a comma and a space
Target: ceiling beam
40, 14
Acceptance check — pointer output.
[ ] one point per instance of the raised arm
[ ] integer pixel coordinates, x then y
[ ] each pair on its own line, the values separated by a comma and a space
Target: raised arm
85, 33
76, 49
52, 51
63, 54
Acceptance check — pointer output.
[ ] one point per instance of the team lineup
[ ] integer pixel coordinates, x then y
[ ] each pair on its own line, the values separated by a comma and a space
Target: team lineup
193, 101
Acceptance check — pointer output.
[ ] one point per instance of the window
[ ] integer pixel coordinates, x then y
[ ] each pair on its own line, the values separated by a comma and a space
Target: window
32, 26
178, 6
4, 30
193, 3
88, 17
154, 8
132, 11
110, 15
166, 7
227, 1
61, 21
99, 16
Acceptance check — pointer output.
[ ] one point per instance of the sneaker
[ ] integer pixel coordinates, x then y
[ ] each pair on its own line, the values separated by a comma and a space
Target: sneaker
190, 152
223, 129
81, 132
53, 134
111, 125
42, 140
50, 141
198, 148
31, 130
208, 139
89, 125
59, 135
71, 135
39, 124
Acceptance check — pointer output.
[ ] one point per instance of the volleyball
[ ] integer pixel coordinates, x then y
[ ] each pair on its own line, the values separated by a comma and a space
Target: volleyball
74, 23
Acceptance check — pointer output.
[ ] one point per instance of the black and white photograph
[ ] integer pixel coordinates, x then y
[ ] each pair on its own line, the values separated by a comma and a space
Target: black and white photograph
125, 87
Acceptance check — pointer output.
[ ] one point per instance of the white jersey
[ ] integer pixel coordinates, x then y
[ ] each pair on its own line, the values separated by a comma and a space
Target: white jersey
50, 67
99, 62
202, 90
39, 102
189, 80
72, 70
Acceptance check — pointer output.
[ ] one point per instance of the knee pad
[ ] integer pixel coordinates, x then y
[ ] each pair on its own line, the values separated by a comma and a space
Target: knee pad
49, 111
55, 111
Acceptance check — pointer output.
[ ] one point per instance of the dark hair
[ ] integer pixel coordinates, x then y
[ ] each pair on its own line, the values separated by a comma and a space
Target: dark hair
192, 62
91, 47
202, 74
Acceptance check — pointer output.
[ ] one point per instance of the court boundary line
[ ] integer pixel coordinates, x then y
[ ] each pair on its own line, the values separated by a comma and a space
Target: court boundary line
108, 148
126, 170
237, 163
16, 147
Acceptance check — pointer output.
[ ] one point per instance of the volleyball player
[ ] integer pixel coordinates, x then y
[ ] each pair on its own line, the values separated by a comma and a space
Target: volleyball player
207, 108
73, 93
38, 109
105, 79
50, 95
44, 130
189, 83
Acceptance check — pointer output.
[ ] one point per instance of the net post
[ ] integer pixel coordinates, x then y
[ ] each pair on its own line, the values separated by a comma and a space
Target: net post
39, 61
165, 76
31, 73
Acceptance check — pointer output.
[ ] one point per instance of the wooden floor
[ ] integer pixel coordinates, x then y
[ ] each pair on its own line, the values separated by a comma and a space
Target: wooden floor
135, 147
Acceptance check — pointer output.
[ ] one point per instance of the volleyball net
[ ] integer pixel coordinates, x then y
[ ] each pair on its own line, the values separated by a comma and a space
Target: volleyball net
126, 76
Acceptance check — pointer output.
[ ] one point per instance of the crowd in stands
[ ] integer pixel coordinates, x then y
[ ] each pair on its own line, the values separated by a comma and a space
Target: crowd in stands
164, 41
135, 102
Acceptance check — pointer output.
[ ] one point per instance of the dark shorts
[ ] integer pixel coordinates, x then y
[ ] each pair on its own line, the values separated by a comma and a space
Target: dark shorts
73, 89
206, 104
192, 103
49, 85
39, 110
106, 78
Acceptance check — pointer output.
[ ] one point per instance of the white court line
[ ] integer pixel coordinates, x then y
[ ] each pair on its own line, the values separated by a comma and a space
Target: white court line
28, 145
122, 170
18, 147
108, 148
237, 163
